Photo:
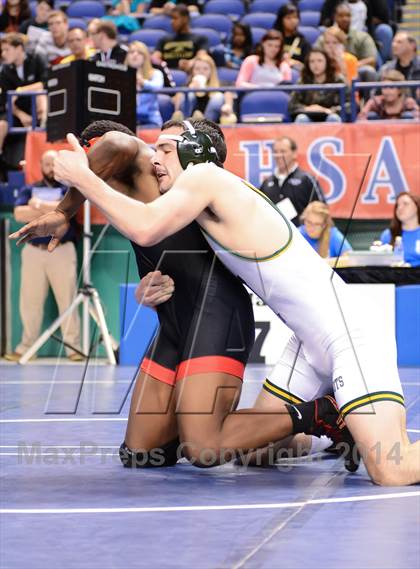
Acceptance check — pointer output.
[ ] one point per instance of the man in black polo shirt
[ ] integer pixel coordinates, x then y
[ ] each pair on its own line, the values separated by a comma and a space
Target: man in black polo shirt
39, 268
290, 187
19, 70
179, 48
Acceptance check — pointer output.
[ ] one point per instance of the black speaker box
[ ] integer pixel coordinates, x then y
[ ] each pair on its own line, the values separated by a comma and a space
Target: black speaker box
84, 91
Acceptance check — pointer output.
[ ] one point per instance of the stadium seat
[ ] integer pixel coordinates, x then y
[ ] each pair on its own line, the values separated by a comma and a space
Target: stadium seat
310, 18
158, 23
257, 35
166, 107
232, 8
264, 106
311, 34
149, 37
227, 76
179, 76
271, 6
214, 37
86, 9
217, 22
77, 23
310, 5
295, 76
260, 20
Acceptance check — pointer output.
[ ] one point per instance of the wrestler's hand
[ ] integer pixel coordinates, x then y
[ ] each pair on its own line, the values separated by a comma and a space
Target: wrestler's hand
154, 289
54, 223
71, 165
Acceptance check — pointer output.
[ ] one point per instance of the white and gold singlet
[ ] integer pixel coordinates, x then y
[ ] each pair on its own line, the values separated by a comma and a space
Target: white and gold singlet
333, 346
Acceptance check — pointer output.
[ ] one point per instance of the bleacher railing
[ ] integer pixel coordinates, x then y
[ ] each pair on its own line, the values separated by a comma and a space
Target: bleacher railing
358, 85
342, 88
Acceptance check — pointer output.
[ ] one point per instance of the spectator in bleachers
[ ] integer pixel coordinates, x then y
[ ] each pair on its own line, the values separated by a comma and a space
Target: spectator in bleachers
40, 268
53, 47
295, 45
320, 232
166, 7
405, 58
179, 48
201, 104
239, 46
360, 44
406, 223
358, 10
105, 36
317, 105
334, 45
36, 28
129, 8
91, 32
267, 68
20, 70
147, 77
291, 188
40, 20
12, 14
78, 43
392, 103
377, 21
124, 14
377, 12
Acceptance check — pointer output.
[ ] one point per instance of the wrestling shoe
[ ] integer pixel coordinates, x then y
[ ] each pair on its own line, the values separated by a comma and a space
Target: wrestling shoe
323, 417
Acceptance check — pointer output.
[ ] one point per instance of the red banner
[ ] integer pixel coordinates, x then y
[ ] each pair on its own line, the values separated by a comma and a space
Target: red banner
361, 167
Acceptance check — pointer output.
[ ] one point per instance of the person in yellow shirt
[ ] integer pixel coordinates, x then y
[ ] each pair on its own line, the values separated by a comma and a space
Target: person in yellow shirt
78, 43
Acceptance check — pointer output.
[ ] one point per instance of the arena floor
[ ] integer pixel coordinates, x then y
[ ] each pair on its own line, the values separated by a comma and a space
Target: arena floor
67, 503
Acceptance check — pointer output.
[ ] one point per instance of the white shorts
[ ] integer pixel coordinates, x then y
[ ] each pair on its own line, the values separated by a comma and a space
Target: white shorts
358, 376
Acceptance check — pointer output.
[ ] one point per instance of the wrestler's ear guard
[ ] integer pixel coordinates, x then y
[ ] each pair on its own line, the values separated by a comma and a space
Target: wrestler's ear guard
195, 147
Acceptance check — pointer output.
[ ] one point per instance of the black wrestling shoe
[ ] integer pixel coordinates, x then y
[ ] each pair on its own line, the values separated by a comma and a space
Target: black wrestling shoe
328, 421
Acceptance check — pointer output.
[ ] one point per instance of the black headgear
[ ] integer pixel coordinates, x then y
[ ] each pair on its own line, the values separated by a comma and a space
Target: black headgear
194, 146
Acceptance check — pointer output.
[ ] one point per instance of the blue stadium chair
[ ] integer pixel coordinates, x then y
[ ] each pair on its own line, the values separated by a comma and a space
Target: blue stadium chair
86, 9
214, 37
268, 106
257, 35
311, 34
260, 20
227, 76
158, 23
62, 5
230, 8
295, 76
180, 77
32, 6
271, 6
218, 22
77, 23
149, 37
310, 5
218, 54
310, 18
166, 106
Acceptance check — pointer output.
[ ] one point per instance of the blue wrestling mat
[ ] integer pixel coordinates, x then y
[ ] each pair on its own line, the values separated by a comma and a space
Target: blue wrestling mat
66, 501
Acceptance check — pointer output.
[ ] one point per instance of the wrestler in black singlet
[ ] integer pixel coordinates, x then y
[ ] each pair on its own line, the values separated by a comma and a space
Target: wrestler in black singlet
208, 324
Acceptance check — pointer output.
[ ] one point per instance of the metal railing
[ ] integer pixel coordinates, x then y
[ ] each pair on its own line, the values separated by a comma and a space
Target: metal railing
287, 88
358, 85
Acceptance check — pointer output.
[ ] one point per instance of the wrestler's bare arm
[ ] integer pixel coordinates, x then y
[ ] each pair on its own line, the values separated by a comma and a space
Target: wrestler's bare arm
146, 224
111, 157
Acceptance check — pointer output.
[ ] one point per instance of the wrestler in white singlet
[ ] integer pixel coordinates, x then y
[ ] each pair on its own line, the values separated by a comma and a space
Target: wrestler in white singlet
333, 345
